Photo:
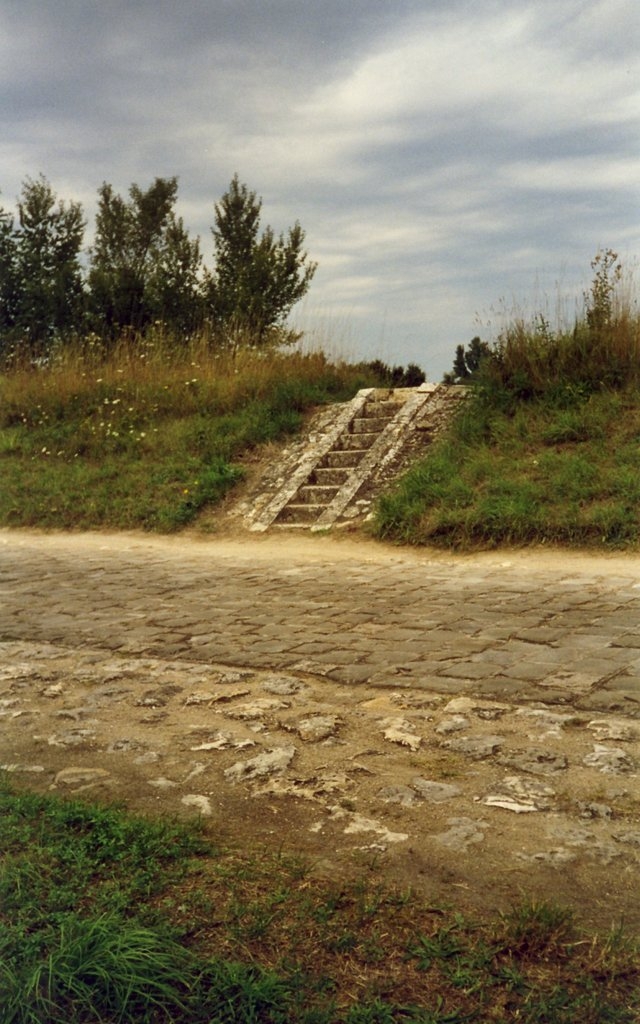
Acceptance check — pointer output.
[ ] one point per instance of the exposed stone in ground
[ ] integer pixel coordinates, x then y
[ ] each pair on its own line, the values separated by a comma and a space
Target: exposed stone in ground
104, 694
368, 763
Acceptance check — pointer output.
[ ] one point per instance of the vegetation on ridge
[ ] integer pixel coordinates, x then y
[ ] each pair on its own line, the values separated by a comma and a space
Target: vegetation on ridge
152, 429
150, 435
143, 272
547, 449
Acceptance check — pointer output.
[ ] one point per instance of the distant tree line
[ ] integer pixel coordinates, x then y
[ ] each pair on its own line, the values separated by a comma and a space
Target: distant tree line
467, 362
143, 269
396, 376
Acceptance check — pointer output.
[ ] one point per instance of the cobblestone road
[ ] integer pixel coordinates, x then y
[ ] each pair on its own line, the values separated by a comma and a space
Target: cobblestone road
500, 630
425, 702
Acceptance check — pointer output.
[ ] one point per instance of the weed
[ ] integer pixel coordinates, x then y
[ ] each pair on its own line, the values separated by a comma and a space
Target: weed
91, 968
445, 943
539, 927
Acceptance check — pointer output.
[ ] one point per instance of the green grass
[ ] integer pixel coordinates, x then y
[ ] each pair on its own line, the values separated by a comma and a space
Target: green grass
107, 917
535, 471
147, 437
547, 449
151, 434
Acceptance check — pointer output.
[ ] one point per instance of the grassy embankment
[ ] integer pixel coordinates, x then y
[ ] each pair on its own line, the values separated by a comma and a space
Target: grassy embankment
148, 435
548, 448
110, 918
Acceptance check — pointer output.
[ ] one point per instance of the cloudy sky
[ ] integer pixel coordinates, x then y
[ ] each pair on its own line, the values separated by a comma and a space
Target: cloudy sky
448, 159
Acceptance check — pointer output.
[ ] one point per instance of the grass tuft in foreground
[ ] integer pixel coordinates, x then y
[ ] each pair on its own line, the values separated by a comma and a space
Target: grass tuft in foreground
108, 917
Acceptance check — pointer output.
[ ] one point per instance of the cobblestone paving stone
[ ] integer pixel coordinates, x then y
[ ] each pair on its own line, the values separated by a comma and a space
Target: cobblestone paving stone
465, 720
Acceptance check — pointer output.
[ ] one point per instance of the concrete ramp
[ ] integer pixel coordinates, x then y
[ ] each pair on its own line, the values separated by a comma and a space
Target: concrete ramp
352, 452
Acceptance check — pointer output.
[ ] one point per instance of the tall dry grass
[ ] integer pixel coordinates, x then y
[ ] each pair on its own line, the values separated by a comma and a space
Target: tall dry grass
154, 375
600, 350
148, 434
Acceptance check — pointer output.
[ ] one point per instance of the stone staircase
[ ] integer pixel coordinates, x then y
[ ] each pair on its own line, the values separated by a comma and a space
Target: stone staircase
336, 474
314, 501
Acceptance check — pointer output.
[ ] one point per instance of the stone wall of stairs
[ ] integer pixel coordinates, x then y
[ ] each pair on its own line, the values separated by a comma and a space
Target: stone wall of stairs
351, 452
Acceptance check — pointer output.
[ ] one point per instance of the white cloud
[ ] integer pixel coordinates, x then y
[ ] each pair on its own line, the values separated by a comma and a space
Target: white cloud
573, 175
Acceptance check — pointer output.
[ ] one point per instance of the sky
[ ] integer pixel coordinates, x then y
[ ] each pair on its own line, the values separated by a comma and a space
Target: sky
452, 162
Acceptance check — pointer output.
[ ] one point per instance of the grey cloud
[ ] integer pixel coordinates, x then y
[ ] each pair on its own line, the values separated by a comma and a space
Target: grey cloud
438, 155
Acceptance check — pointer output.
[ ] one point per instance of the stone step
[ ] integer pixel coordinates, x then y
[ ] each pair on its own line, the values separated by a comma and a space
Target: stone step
293, 514
326, 476
279, 524
355, 442
316, 494
367, 424
341, 459
377, 427
383, 409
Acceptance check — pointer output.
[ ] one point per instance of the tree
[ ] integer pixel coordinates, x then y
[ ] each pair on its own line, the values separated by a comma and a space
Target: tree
143, 265
41, 285
9, 290
144, 268
396, 376
467, 361
257, 280
174, 290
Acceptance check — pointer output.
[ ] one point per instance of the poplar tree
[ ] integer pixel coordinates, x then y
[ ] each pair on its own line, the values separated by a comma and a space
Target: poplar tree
129, 235
258, 278
467, 361
41, 285
175, 280
9, 287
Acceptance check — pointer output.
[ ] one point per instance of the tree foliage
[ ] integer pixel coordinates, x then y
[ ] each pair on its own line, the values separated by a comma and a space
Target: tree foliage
9, 286
396, 376
144, 269
41, 289
257, 278
467, 361
175, 279
143, 265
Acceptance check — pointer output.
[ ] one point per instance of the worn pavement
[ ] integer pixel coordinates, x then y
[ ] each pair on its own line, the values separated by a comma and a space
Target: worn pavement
437, 705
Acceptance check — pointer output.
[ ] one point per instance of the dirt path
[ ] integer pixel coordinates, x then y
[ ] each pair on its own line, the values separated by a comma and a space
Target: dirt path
468, 725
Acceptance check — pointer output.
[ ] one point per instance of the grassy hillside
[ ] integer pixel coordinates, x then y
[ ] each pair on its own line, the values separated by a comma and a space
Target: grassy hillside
149, 435
538, 471
547, 449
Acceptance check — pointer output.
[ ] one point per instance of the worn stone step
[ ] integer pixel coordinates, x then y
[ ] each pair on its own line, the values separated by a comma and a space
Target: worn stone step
316, 494
328, 477
367, 424
381, 410
367, 438
279, 524
355, 442
297, 513
341, 459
